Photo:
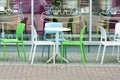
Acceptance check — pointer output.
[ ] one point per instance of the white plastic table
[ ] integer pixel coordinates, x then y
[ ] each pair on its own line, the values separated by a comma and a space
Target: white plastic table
57, 30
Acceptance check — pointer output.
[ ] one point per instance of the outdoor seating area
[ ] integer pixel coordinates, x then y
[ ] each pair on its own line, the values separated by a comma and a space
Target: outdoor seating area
58, 54
54, 38
59, 39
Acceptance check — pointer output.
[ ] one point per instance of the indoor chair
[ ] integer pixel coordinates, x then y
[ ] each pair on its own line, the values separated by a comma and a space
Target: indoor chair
112, 26
55, 20
35, 42
18, 40
105, 43
41, 32
74, 43
69, 25
25, 22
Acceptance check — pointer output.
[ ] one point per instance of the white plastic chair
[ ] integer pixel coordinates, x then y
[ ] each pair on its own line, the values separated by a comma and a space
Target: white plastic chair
35, 42
104, 42
117, 37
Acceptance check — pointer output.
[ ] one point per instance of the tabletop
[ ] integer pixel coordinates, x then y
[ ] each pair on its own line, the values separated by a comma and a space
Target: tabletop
57, 29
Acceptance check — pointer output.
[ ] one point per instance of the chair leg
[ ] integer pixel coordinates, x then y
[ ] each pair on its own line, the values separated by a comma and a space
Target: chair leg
31, 51
48, 52
25, 56
65, 52
98, 52
51, 51
118, 54
33, 55
82, 53
62, 54
103, 54
18, 50
43, 51
53, 54
113, 50
4, 55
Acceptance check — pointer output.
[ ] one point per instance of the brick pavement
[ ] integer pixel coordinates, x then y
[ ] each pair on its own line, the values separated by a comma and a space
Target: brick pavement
17, 69
58, 72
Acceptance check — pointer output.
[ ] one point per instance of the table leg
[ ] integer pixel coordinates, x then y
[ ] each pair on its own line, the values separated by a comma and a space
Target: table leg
57, 50
57, 47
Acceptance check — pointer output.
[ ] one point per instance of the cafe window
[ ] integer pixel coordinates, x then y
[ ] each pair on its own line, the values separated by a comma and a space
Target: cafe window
62, 11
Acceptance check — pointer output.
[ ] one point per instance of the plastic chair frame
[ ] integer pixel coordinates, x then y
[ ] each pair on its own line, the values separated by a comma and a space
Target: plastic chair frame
105, 43
74, 43
35, 43
19, 39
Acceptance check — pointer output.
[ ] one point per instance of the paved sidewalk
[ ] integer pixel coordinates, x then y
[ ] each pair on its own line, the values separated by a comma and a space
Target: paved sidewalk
17, 69
63, 72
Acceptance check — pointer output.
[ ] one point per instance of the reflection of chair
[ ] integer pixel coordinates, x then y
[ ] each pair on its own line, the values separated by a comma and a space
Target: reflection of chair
50, 35
19, 39
112, 25
41, 32
35, 43
70, 21
45, 21
55, 20
25, 22
104, 42
75, 43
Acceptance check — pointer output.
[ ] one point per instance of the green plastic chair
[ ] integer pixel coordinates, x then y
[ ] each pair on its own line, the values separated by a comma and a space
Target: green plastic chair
74, 43
19, 39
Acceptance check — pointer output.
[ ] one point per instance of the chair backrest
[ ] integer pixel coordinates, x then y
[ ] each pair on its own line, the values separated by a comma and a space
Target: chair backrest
25, 22
19, 31
81, 33
117, 31
103, 34
55, 20
112, 25
34, 33
70, 21
52, 25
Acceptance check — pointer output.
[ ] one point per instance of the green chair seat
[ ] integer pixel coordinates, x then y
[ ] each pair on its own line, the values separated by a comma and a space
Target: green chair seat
71, 43
10, 40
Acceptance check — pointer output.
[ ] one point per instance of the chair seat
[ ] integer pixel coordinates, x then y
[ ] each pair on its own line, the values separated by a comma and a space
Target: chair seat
43, 43
10, 40
110, 43
54, 40
71, 43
